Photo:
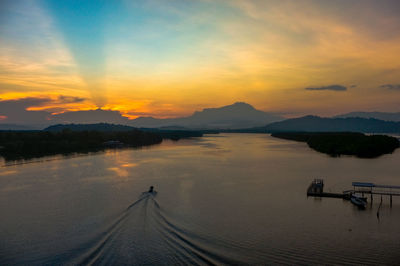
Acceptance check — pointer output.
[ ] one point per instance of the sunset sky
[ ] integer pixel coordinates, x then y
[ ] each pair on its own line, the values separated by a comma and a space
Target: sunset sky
170, 58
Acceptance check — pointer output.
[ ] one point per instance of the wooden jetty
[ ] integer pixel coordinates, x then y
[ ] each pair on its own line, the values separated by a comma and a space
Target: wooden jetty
374, 189
316, 189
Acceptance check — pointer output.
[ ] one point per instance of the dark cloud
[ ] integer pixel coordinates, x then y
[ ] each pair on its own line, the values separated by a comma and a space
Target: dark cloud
390, 86
29, 101
70, 99
16, 113
329, 88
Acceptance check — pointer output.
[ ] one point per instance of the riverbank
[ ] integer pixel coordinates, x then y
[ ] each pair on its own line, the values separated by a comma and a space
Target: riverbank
16, 145
344, 143
30, 144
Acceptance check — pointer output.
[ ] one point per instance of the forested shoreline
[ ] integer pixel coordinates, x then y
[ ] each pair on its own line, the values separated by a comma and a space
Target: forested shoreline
344, 143
15, 145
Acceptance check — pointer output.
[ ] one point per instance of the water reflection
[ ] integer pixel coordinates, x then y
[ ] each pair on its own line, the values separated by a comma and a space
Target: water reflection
235, 198
8, 172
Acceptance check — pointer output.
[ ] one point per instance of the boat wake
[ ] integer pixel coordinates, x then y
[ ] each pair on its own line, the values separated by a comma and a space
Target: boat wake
143, 234
146, 233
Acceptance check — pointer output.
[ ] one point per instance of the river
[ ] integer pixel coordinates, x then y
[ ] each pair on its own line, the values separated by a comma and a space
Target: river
221, 199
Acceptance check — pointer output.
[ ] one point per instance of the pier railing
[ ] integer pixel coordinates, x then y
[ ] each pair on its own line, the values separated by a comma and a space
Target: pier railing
316, 189
371, 188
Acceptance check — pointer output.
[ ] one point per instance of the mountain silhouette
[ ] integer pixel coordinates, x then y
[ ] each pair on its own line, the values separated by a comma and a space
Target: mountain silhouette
377, 115
237, 115
90, 117
319, 124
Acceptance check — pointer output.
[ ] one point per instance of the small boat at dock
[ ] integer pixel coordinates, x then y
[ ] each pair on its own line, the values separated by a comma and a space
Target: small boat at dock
358, 201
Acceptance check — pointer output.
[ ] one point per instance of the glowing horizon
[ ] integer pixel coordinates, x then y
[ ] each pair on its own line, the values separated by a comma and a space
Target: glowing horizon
168, 59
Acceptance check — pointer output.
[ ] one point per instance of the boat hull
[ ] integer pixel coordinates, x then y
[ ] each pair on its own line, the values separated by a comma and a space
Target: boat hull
358, 202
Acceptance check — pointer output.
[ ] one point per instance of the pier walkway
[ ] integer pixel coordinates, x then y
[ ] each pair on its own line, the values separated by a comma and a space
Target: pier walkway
374, 189
316, 189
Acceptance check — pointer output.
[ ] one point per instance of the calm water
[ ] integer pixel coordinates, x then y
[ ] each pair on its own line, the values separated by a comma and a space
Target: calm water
222, 199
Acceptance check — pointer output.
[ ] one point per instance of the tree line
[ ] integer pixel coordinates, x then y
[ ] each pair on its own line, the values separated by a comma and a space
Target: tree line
344, 143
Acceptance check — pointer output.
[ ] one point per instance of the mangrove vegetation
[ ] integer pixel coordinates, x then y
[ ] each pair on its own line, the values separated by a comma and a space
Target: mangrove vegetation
16, 145
344, 143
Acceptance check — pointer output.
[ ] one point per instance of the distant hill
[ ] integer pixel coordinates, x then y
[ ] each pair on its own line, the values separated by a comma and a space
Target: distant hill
238, 115
90, 117
319, 124
165, 133
103, 127
18, 127
377, 115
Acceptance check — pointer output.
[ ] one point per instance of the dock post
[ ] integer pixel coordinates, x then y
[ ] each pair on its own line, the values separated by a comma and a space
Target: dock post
390, 200
372, 198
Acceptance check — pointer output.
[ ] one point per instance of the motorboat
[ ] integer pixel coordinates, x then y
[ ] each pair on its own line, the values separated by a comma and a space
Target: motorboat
359, 201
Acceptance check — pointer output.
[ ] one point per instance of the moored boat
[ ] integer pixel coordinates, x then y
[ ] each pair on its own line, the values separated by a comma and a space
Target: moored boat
358, 201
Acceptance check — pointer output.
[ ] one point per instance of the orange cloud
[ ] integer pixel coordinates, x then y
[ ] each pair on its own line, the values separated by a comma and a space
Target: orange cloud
263, 52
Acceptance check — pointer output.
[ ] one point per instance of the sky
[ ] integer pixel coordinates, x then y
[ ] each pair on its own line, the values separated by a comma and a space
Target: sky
169, 58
